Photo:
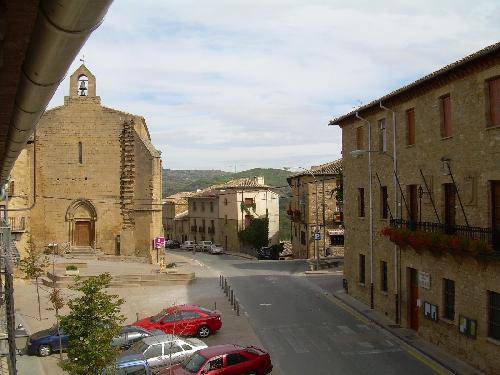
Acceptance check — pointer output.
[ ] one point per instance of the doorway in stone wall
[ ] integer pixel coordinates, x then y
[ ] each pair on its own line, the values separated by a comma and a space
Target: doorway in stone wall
82, 236
412, 298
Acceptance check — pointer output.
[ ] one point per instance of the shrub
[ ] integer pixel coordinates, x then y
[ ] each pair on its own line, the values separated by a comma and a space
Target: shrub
71, 267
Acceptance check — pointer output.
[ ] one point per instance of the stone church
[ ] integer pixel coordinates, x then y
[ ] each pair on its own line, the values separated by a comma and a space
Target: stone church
90, 179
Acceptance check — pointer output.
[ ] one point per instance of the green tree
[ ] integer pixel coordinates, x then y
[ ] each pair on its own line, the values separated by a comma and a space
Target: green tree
93, 321
57, 301
33, 265
257, 233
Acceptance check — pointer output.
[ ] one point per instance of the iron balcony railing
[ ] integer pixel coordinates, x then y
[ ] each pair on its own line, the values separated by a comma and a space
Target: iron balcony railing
475, 233
17, 224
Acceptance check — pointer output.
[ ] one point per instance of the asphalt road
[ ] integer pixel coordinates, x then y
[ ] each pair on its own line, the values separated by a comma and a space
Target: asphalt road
303, 330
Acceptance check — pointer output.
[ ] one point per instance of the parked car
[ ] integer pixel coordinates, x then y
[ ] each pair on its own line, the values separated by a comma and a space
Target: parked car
129, 366
268, 252
184, 320
224, 360
173, 244
45, 342
216, 249
188, 245
163, 351
203, 245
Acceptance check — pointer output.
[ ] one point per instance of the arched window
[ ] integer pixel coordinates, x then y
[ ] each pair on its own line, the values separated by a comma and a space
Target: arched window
80, 153
83, 85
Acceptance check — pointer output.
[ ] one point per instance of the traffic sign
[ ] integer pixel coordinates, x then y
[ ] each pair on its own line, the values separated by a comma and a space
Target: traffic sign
317, 236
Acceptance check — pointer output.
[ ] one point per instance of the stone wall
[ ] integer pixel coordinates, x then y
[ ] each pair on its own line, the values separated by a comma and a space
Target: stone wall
473, 150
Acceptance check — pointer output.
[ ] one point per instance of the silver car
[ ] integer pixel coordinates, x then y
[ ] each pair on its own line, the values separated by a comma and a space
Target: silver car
216, 249
163, 350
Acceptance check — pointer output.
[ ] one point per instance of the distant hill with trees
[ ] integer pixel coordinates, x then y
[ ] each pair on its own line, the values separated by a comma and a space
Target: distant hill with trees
177, 180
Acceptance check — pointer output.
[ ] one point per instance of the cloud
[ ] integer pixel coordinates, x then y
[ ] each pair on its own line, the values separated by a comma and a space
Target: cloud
257, 81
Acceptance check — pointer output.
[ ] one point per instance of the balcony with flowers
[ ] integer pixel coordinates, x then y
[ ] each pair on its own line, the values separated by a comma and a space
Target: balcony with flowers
440, 239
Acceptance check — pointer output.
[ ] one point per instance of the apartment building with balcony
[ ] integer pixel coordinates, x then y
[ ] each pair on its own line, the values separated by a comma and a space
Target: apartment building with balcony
426, 250
220, 212
318, 183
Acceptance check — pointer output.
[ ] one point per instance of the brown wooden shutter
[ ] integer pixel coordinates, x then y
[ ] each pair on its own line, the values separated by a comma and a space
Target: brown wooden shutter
446, 111
410, 124
494, 91
359, 138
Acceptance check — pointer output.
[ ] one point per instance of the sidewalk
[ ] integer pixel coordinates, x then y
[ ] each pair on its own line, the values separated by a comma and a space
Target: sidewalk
407, 336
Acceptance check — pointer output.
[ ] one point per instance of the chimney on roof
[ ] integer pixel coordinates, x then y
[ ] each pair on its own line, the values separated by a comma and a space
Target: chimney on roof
259, 180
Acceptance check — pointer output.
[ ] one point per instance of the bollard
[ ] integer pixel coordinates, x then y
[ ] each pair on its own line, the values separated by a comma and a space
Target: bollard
228, 293
136, 316
232, 298
215, 305
237, 308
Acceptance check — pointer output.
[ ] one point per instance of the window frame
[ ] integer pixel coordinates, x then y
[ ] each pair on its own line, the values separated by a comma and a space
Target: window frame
362, 269
490, 123
496, 322
80, 152
410, 126
384, 281
384, 202
448, 299
382, 137
361, 202
360, 144
446, 131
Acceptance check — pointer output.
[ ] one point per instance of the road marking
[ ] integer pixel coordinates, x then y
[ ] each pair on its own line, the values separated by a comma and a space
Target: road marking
346, 330
264, 304
315, 341
271, 338
363, 327
365, 344
374, 351
293, 341
389, 343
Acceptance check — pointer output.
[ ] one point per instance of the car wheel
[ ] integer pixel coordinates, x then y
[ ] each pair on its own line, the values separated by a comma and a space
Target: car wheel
44, 350
252, 373
203, 332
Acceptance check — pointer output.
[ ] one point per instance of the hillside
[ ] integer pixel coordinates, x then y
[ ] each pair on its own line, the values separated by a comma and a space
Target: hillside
177, 180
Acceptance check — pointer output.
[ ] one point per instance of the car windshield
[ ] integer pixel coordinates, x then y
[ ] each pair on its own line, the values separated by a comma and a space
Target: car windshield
193, 363
138, 347
156, 318
206, 311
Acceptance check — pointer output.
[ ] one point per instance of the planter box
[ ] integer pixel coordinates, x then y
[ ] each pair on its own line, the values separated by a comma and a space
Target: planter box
72, 272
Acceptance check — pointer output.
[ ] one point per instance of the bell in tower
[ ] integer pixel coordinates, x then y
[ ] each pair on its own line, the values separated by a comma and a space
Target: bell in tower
82, 85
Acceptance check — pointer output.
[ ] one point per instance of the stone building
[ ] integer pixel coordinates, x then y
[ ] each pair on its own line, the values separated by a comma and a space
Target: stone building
174, 207
302, 209
440, 272
219, 212
91, 178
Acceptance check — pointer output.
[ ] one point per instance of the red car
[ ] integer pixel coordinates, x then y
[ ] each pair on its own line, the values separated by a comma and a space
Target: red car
224, 360
184, 320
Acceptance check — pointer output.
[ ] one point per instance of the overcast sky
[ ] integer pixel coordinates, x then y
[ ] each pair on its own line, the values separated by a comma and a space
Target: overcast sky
254, 83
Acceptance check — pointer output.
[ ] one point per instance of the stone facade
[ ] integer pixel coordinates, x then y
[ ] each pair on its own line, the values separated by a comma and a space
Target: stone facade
216, 214
97, 177
408, 280
302, 209
173, 206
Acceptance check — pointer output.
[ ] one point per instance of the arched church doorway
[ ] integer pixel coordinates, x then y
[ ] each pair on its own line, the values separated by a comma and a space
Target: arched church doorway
82, 216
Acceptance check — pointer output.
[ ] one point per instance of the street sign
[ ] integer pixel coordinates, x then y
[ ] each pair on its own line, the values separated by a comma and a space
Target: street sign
317, 236
159, 242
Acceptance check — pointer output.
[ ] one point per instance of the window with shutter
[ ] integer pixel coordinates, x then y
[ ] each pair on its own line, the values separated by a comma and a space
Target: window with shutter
494, 99
410, 127
359, 138
446, 117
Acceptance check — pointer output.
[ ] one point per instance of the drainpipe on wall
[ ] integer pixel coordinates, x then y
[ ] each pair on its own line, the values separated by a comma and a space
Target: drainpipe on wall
372, 305
395, 182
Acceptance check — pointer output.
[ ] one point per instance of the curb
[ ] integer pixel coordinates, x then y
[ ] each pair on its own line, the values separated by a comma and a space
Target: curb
401, 338
239, 255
